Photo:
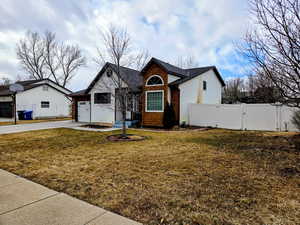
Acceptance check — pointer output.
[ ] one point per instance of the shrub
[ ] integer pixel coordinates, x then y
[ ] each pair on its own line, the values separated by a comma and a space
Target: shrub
169, 119
296, 119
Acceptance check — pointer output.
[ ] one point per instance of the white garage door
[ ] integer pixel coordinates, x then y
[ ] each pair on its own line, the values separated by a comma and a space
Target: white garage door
84, 114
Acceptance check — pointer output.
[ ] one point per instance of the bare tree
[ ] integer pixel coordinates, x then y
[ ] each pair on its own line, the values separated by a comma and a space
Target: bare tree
273, 46
135, 60
233, 91
118, 49
260, 89
186, 62
44, 57
31, 54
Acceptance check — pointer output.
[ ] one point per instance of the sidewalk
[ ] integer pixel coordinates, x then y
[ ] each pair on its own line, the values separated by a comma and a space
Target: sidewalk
27, 203
37, 126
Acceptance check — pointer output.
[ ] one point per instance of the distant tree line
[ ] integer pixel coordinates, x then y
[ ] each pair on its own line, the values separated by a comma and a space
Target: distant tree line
251, 89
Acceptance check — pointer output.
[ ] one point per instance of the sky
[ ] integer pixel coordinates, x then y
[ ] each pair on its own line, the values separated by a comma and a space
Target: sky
208, 30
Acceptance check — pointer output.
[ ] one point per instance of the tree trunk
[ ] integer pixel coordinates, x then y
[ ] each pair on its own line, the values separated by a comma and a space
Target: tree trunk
124, 123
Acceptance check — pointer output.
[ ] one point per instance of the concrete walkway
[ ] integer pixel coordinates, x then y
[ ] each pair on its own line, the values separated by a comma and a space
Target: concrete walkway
23, 202
37, 126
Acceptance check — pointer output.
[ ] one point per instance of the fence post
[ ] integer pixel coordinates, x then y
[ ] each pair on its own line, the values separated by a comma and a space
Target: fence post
278, 116
243, 115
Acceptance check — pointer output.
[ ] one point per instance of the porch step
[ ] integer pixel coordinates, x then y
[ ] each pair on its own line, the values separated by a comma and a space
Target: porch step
119, 124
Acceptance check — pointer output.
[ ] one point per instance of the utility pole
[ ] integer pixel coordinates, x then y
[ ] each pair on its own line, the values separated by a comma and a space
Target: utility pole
15, 107
15, 88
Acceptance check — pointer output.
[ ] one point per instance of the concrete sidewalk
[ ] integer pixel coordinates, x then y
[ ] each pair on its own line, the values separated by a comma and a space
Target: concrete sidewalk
37, 126
23, 202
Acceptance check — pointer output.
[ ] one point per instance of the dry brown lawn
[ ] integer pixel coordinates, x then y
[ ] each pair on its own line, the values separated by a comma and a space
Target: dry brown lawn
191, 177
33, 121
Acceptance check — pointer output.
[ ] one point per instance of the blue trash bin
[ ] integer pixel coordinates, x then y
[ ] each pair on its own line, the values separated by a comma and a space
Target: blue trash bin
28, 115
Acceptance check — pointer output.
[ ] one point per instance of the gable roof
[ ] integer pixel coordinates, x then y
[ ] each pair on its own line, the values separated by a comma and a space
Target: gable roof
194, 72
170, 69
184, 74
130, 76
29, 84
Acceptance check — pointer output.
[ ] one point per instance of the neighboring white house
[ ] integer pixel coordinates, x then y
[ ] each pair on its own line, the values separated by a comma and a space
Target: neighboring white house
44, 97
156, 85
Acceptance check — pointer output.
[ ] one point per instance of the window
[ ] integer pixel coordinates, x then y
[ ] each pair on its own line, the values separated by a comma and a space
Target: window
45, 104
109, 72
102, 98
204, 85
45, 88
154, 101
154, 81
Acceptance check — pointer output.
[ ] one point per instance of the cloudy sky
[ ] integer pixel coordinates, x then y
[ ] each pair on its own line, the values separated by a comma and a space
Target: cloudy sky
168, 29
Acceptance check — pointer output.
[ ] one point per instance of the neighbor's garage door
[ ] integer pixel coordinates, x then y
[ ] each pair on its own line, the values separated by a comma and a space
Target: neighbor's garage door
6, 109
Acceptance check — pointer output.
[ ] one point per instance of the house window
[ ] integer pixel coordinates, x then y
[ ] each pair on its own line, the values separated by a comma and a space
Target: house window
204, 85
45, 104
154, 80
102, 98
154, 101
45, 88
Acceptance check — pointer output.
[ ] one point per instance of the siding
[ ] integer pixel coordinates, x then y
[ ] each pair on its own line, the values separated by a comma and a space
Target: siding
60, 104
104, 113
191, 92
154, 119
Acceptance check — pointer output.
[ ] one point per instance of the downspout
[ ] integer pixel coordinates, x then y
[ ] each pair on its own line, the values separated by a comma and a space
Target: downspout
90, 110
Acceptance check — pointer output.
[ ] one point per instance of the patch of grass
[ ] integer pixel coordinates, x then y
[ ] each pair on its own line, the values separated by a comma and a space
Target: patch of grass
192, 177
6, 123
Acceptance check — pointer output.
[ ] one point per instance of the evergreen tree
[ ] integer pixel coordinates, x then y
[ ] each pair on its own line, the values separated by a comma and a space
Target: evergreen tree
169, 119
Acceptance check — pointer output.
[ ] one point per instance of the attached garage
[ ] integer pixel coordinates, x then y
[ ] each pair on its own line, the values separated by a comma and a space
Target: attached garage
81, 106
6, 109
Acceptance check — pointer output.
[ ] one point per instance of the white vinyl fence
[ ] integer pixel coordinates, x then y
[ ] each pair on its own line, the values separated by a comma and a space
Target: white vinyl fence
242, 116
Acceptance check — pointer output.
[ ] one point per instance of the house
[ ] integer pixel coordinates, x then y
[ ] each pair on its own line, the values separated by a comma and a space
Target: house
152, 87
44, 97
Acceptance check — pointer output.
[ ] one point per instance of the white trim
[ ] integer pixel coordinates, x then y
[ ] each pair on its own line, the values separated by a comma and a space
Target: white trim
154, 84
146, 96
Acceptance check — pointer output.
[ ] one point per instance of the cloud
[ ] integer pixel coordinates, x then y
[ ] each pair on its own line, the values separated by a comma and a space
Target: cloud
167, 28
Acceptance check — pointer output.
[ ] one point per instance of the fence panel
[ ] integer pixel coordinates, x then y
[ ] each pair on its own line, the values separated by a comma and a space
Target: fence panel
223, 116
242, 116
261, 117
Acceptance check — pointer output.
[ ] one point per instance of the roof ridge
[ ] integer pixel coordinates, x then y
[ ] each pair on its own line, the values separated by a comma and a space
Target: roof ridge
167, 63
202, 67
122, 66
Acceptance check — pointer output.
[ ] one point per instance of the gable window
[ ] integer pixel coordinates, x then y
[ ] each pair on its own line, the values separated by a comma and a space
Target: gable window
154, 101
45, 88
154, 80
102, 98
204, 85
45, 104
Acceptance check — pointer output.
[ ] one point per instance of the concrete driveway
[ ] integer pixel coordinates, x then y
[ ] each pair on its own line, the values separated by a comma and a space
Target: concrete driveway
37, 126
23, 202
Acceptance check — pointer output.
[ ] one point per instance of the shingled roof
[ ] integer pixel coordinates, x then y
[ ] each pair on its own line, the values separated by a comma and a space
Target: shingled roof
184, 74
194, 72
132, 77
170, 69
27, 84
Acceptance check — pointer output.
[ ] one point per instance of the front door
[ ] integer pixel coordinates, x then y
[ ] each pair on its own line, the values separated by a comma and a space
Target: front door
84, 114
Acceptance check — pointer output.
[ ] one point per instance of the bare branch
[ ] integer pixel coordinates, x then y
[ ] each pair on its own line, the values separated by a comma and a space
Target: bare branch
43, 57
274, 46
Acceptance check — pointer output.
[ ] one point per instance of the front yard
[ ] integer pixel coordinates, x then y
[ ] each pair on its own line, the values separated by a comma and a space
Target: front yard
191, 177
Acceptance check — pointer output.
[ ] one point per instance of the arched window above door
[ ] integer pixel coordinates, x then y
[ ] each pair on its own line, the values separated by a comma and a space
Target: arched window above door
154, 80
